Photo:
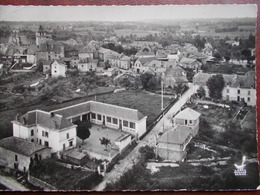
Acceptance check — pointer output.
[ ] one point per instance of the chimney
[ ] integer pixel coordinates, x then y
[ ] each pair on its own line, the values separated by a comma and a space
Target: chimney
24, 121
16, 117
55, 124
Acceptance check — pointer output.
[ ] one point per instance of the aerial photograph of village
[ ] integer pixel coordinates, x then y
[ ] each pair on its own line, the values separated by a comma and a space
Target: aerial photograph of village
114, 98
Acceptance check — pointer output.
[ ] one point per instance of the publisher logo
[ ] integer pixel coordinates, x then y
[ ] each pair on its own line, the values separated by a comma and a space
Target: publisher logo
240, 169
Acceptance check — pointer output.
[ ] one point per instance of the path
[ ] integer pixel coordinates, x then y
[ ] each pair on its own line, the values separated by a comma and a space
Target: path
12, 184
132, 157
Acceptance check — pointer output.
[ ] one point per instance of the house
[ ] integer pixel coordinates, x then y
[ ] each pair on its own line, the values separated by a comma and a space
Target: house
105, 55
85, 65
116, 117
139, 63
172, 144
208, 49
159, 66
237, 87
175, 75
16, 153
46, 129
141, 44
50, 50
188, 119
86, 52
190, 63
145, 52
190, 48
124, 62
46, 65
162, 55
58, 68
70, 51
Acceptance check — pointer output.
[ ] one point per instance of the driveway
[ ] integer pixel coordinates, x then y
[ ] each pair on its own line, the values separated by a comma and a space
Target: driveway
12, 184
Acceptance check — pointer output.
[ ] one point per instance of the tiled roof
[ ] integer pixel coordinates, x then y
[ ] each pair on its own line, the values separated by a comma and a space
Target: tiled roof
20, 146
242, 81
175, 71
177, 136
188, 113
142, 53
125, 58
87, 49
44, 119
187, 60
145, 60
201, 78
98, 107
32, 50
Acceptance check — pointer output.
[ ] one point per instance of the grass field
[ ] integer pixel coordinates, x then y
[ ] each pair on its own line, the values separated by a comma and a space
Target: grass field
148, 104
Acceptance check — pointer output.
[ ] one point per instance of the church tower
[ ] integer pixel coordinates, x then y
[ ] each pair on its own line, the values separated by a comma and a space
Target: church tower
42, 36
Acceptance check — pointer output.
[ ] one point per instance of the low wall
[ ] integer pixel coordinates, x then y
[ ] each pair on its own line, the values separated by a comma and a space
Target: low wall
42, 184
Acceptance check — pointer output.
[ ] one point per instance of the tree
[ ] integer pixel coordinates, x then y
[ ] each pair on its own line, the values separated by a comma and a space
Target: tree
105, 141
216, 85
83, 131
201, 92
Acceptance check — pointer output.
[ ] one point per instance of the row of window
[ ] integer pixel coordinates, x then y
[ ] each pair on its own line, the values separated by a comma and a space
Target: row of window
44, 133
186, 122
238, 92
113, 120
39, 141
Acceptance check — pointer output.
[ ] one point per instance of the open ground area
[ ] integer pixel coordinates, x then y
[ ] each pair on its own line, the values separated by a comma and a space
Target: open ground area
93, 145
131, 99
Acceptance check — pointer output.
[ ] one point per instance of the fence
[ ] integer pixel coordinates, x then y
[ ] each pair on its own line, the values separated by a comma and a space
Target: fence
39, 183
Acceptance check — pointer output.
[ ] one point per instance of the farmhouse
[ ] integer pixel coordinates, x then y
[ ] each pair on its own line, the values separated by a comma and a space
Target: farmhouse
16, 153
58, 69
237, 87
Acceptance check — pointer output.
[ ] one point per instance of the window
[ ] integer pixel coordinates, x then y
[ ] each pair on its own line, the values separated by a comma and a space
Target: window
238, 91
132, 125
32, 140
42, 133
93, 115
46, 134
248, 93
68, 135
37, 140
190, 121
248, 99
99, 117
32, 132
55, 71
40, 142
15, 158
115, 120
71, 143
108, 119
227, 90
186, 122
46, 143
125, 123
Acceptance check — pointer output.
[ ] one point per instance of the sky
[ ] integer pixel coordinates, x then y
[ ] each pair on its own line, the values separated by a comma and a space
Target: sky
124, 13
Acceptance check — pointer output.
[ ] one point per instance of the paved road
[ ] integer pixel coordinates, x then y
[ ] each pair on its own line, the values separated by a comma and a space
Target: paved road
132, 157
12, 184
